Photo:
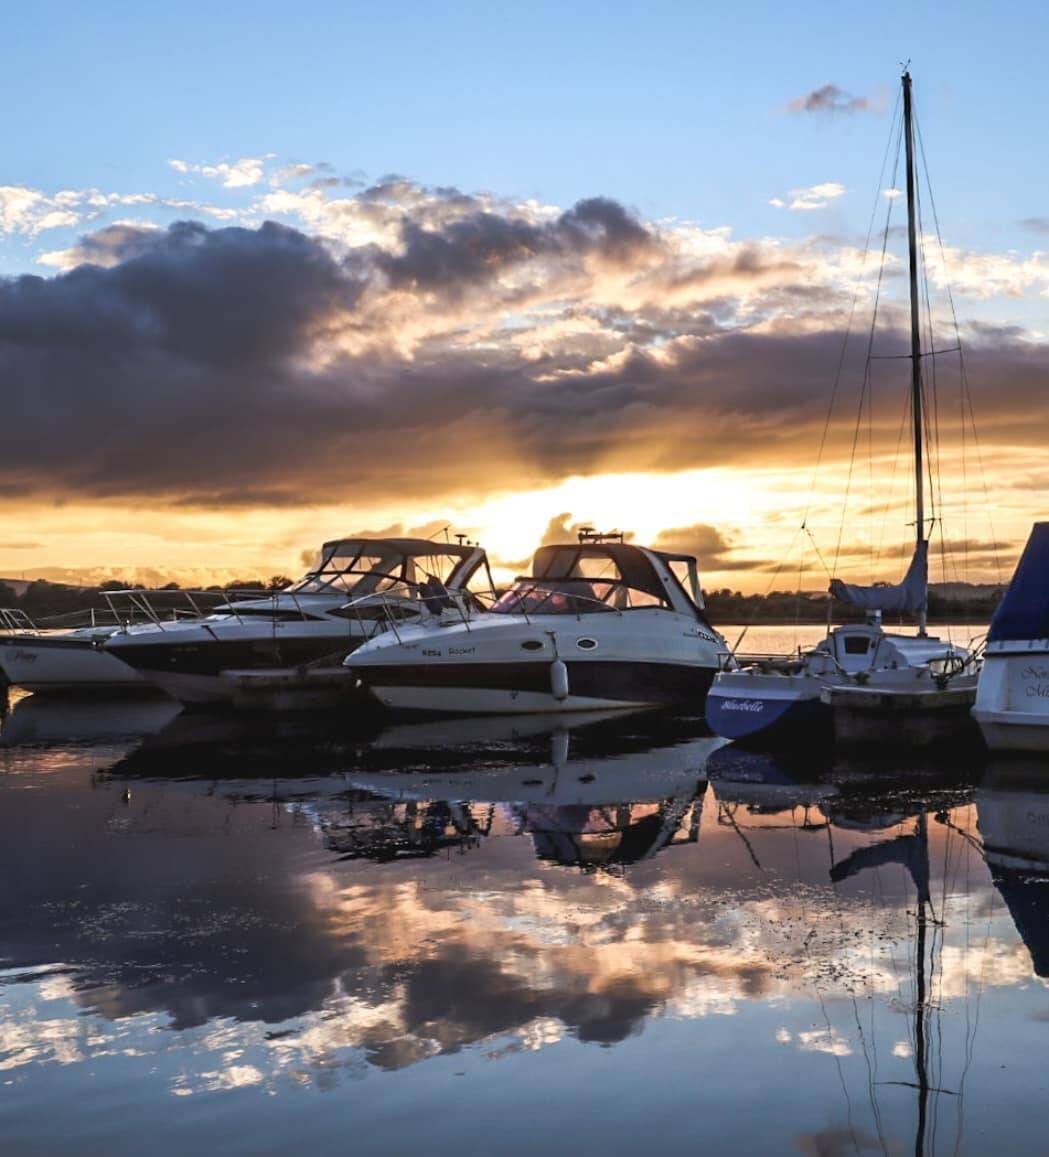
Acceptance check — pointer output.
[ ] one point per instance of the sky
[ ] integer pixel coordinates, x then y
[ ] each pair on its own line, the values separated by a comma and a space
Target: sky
273, 276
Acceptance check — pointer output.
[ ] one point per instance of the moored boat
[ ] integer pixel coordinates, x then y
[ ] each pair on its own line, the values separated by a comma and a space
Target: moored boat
862, 684
1012, 697
598, 624
61, 660
357, 589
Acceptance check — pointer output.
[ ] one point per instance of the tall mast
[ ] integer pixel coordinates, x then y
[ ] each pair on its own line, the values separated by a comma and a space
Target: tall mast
916, 345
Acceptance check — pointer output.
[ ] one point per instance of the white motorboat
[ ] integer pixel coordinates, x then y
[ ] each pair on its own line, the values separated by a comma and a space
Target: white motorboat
64, 660
358, 588
598, 624
1012, 696
863, 684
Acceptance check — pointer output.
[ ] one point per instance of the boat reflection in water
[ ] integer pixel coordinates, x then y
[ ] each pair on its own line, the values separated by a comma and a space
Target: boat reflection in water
595, 811
229, 925
1013, 806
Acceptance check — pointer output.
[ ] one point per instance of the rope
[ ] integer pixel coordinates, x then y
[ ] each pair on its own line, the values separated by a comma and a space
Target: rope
870, 346
966, 393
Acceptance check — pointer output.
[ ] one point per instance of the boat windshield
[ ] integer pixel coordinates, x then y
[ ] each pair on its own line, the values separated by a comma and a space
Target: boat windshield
572, 596
354, 570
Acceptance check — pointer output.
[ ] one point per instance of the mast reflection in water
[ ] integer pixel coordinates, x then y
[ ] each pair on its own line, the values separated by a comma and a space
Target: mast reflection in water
247, 937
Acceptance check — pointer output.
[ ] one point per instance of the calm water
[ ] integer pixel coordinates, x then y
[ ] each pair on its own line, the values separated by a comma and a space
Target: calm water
478, 936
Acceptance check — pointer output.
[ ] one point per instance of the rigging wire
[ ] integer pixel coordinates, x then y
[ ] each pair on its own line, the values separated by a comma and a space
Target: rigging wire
852, 312
965, 391
870, 345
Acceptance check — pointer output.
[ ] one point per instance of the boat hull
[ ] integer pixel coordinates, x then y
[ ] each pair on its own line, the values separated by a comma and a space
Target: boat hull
40, 663
526, 687
1012, 700
208, 672
767, 710
867, 716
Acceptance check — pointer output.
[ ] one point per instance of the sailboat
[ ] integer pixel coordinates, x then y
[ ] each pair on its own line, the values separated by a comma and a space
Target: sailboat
863, 684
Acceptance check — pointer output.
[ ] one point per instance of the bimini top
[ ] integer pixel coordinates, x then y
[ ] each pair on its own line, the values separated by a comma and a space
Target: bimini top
577, 578
1024, 611
368, 565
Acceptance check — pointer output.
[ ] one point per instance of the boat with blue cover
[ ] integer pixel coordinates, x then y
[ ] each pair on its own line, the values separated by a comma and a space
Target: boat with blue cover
1012, 697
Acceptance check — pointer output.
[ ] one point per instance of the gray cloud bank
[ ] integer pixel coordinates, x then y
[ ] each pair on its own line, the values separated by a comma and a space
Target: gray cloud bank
466, 344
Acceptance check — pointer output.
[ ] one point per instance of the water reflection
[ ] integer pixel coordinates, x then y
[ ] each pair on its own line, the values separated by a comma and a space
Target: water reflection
280, 909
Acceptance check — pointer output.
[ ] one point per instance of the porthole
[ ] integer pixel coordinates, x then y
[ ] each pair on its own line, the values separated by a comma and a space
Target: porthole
586, 644
532, 645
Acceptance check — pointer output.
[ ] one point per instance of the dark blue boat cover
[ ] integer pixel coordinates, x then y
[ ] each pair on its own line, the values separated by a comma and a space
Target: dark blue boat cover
1024, 611
910, 595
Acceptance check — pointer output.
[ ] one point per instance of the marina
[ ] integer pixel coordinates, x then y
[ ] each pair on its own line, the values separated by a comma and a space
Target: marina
654, 753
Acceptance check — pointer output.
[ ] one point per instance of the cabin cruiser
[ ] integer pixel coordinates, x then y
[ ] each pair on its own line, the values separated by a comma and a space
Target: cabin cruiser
64, 660
1012, 697
598, 624
358, 587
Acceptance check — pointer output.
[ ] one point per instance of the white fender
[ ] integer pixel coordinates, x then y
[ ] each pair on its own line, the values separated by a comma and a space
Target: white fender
559, 680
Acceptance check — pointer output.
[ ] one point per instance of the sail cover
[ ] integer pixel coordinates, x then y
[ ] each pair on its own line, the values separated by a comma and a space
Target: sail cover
910, 595
1024, 611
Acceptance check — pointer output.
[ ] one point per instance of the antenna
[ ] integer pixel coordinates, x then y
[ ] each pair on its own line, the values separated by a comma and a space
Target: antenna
587, 534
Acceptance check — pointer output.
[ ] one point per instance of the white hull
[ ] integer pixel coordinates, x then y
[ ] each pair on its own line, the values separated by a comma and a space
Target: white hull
1012, 699
45, 663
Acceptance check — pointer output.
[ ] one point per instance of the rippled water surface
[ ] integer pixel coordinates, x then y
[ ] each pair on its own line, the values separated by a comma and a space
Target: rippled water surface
467, 937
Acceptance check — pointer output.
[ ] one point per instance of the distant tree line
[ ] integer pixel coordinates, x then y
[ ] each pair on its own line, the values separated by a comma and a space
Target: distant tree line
963, 603
43, 600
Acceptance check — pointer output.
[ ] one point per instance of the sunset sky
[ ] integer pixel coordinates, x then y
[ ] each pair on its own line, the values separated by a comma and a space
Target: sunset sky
271, 275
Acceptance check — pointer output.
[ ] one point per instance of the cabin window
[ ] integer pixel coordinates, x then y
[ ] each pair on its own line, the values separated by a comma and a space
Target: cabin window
856, 645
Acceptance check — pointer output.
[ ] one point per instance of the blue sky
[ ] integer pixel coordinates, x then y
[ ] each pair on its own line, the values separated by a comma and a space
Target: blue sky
675, 109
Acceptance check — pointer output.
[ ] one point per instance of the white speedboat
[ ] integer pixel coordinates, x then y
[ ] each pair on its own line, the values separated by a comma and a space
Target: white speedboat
64, 660
1012, 697
861, 683
358, 588
598, 624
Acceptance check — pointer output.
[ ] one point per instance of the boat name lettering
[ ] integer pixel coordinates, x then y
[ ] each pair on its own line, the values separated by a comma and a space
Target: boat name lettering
25, 656
1037, 679
461, 650
432, 651
742, 705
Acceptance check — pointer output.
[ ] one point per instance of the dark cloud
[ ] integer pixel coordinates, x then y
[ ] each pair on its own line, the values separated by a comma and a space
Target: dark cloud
232, 367
113, 244
709, 545
482, 244
1036, 224
828, 98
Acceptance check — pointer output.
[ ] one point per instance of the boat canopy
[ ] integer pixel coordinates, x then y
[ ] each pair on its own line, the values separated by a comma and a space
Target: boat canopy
1024, 611
911, 595
617, 562
368, 565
